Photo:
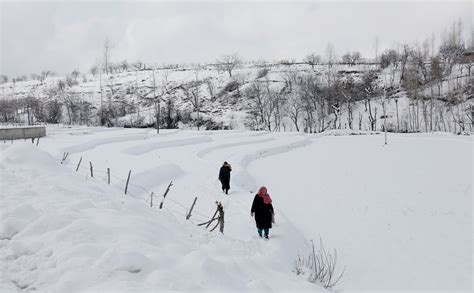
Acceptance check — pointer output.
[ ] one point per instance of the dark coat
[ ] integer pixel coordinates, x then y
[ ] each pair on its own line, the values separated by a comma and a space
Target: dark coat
263, 212
224, 176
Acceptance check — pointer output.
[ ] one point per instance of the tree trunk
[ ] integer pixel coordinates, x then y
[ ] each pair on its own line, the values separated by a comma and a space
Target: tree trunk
398, 121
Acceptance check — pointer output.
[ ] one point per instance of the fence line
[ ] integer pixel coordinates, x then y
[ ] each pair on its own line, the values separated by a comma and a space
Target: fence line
108, 175
89, 172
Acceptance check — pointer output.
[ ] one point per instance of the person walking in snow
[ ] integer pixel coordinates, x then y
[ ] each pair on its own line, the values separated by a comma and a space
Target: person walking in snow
263, 209
224, 177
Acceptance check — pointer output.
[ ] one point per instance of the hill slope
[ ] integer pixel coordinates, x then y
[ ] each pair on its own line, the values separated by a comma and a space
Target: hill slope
246, 99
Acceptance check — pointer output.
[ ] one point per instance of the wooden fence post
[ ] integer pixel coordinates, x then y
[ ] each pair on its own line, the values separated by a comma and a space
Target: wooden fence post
65, 155
191, 209
108, 175
92, 172
164, 195
151, 199
128, 179
79, 164
221, 217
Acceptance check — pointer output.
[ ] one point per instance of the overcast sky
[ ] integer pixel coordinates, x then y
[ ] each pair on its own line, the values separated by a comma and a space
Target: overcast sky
64, 36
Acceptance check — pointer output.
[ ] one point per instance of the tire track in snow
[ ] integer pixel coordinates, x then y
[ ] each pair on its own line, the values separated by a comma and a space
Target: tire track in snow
244, 180
206, 151
102, 141
148, 147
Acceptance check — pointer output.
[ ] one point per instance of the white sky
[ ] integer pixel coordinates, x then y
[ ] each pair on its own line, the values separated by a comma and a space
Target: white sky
62, 36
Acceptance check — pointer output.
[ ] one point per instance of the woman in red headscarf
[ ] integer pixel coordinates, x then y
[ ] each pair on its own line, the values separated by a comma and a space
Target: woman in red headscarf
263, 209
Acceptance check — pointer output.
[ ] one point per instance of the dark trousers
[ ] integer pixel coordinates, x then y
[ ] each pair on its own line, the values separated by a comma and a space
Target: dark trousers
265, 230
226, 190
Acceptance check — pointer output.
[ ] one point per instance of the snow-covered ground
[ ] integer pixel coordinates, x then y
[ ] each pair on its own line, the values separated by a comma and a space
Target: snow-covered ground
400, 216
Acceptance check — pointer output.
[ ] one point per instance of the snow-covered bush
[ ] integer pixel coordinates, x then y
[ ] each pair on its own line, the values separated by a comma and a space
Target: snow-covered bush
319, 267
262, 72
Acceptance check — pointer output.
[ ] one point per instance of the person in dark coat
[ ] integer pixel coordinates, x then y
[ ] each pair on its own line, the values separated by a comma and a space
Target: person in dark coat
263, 209
224, 177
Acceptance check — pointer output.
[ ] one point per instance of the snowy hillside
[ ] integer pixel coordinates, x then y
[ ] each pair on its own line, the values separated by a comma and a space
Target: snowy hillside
400, 216
257, 96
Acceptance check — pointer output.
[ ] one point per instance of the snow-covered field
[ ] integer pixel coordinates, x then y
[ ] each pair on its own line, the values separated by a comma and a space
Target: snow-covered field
400, 216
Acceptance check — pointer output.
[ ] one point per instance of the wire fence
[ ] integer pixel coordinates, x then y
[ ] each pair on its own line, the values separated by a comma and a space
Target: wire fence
136, 191
100, 176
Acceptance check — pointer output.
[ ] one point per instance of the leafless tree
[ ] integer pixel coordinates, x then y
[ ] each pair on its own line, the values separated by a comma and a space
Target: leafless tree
294, 107
44, 74
3, 78
124, 65
210, 86
94, 70
452, 46
376, 48
370, 89
75, 73
106, 56
312, 59
255, 93
348, 90
228, 63
404, 59
351, 58
192, 94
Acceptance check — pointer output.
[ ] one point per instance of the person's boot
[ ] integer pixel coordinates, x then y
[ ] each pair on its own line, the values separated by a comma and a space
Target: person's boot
227, 191
266, 236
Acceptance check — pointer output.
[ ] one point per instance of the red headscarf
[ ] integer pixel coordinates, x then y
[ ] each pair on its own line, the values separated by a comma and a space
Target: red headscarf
262, 192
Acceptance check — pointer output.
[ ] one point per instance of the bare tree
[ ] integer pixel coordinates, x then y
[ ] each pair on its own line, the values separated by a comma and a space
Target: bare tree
312, 59
228, 63
124, 65
3, 79
370, 89
106, 56
294, 106
404, 58
376, 48
210, 87
452, 46
330, 60
157, 103
44, 74
256, 94
294, 109
351, 58
94, 70
192, 92
75, 73
390, 60
348, 90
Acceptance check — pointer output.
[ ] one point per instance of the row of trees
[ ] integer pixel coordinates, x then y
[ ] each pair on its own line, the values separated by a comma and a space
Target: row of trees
436, 84
309, 101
